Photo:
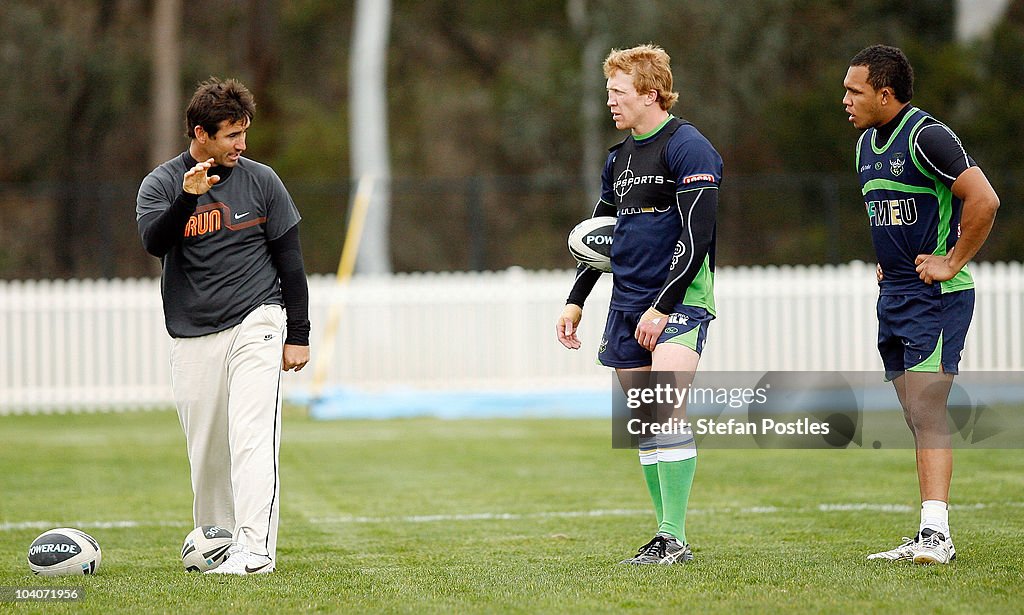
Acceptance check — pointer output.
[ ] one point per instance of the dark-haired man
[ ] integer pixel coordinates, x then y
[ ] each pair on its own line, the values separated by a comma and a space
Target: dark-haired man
930, 208
236, 305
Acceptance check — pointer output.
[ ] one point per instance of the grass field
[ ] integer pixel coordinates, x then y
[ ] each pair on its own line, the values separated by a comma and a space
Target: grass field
491, 516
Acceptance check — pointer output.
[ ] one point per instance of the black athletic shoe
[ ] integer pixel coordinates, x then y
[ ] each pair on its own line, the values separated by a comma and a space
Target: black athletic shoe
664, 549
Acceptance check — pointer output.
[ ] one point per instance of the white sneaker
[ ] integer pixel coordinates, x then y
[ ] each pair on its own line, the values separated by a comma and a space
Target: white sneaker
906, 551
242, 562
934, 549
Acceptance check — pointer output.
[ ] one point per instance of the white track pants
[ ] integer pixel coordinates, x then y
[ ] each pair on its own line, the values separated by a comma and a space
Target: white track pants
227, 390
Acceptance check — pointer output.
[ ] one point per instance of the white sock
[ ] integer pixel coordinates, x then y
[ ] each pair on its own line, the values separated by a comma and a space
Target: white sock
935, 515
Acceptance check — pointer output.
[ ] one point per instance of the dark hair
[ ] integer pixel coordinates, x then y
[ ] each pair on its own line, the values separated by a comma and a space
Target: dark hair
887, 67
215, 101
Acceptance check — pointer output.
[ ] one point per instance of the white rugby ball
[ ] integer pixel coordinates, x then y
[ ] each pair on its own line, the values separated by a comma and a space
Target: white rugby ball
590, 242
64, 551
205, 548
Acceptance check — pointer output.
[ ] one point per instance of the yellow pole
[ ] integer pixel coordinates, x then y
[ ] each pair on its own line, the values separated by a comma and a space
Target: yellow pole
346, 266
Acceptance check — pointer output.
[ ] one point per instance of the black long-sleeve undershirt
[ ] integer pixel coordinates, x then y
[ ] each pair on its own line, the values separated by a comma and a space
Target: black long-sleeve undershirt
698, 210
587, 277
162, 231
286, 253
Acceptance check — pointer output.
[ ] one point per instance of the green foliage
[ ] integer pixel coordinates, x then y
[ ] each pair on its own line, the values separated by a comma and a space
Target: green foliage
478, 93
423, 515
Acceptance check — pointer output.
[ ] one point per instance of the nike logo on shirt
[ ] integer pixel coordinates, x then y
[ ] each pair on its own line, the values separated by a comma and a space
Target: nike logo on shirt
240, 216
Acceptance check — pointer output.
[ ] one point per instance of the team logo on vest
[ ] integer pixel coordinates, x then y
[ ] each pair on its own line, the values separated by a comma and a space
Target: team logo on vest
629, 211
677, 254
896, 163
894, 212
699, 177
627, 179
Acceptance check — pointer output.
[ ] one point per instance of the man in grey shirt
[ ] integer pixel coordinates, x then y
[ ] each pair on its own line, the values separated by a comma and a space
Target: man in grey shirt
236, 305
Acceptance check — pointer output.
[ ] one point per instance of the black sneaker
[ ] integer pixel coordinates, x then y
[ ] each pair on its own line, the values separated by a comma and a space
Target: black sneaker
664, 549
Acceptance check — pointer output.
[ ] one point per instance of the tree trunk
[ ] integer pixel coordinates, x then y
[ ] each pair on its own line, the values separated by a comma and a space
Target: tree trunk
168, 127
586, 23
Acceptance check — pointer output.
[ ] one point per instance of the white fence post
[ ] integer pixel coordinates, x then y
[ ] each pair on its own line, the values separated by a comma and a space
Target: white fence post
101, 344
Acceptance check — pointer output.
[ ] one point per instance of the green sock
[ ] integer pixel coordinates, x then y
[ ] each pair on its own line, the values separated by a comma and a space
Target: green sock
676, 478
654, 486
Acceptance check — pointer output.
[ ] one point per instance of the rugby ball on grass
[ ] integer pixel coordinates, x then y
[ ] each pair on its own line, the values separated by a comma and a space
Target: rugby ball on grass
64, 551
590, 243
205, 548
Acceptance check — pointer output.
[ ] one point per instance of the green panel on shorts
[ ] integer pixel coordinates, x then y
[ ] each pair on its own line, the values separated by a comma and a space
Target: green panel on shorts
688, 339
932, 364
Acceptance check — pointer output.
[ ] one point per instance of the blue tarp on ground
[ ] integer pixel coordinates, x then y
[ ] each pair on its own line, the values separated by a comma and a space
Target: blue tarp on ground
346, 403
404, 403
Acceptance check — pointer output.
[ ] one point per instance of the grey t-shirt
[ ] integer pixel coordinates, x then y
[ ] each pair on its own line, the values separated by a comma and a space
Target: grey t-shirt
222, 269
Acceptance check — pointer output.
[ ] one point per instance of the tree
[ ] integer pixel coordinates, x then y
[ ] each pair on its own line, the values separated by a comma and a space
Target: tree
166, 81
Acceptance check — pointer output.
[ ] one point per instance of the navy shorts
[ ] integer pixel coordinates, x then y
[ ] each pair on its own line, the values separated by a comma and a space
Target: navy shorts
923, 333
687, 325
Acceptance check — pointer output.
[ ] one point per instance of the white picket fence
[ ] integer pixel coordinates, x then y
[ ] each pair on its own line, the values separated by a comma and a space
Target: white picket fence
101, 344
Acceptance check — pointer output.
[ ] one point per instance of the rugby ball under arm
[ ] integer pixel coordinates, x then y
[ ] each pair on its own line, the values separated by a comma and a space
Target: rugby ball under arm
590, 242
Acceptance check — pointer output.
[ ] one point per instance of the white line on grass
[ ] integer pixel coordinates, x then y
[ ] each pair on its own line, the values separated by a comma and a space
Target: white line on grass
479, 516
619, 512
13, 526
